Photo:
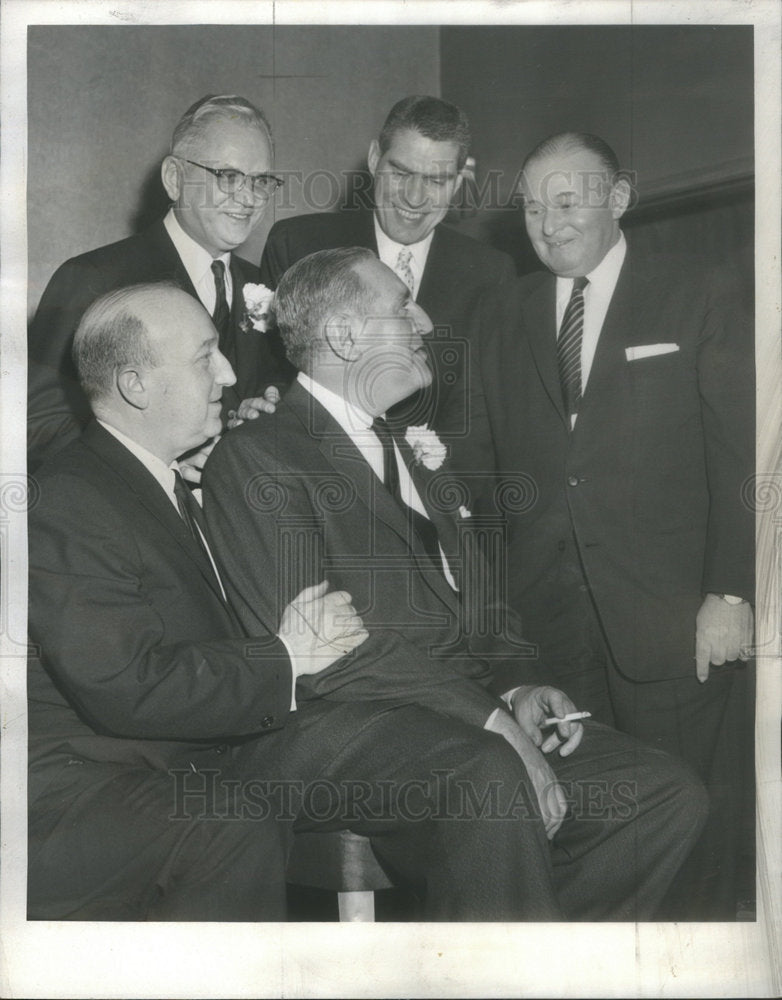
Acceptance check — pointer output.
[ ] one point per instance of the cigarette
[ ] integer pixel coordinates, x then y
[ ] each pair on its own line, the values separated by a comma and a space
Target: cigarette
570, 717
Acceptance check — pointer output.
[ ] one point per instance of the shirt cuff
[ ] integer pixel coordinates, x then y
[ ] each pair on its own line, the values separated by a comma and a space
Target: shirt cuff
491, 719
293, 672
508, 697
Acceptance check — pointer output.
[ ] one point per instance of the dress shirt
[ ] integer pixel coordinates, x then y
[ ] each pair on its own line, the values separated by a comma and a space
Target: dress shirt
164, 474
388, 252
198, 264
357, 424
597, 298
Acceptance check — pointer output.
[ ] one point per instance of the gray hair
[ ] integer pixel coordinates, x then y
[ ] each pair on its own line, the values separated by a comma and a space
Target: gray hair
562, 142
112, 335
216, 107
312, 289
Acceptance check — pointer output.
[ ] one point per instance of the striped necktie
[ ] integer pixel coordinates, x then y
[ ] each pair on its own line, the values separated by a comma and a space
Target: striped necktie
569, 347
222, 313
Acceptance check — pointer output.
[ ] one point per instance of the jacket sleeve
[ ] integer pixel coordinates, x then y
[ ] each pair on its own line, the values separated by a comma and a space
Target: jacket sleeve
263, 573
117, 638
726, 382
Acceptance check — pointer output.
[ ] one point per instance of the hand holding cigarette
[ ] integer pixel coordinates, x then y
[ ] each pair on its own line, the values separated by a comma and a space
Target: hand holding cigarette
570, 717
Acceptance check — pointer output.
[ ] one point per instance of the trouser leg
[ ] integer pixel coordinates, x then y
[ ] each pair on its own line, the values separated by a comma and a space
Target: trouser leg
635, 814
109, 844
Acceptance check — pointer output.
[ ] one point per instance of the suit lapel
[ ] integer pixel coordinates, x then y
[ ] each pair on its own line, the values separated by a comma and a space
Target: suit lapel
171, 266
344, 457
541, 321
149, 493
246, 341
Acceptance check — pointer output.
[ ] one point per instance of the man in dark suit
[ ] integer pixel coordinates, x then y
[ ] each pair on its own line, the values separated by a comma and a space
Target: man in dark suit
324, 485
217, 176
164, 740
142, 667
418, 164
620, 387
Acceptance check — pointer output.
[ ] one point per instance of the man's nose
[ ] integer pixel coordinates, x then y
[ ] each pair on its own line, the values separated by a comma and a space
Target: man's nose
415, 190
552, 220
224, 373
421, 322
244, 195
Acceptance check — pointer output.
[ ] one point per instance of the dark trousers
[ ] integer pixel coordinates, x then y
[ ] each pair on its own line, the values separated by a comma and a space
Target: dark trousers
680, 716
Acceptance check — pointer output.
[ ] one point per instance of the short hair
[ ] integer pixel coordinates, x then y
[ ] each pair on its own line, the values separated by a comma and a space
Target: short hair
313, 288
566, 141
435, 119
216, 107
111, 335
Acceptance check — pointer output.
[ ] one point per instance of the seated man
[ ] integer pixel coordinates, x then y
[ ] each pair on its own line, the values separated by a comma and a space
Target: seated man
217, 177
164, 740
325, 487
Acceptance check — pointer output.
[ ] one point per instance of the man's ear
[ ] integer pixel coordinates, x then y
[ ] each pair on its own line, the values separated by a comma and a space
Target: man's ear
339, 337
132, 386
171, 175
373, 156
619, 199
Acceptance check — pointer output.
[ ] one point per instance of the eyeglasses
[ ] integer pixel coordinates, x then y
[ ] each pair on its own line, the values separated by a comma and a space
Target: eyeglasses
230, 181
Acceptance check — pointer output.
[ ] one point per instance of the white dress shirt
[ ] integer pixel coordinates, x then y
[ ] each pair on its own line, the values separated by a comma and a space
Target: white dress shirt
597, 298
198, 264
357, 424
388, 252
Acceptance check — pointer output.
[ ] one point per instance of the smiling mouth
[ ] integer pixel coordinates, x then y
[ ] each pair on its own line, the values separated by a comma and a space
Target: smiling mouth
407, 213
239, 216
558, 243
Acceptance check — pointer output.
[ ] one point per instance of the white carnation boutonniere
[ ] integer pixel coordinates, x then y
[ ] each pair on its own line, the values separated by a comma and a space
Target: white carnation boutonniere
428, 449
257, 303
464, 512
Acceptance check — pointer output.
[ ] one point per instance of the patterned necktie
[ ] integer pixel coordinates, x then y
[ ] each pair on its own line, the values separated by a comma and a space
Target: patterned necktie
193, 516
426, 531
569, 347
403, 268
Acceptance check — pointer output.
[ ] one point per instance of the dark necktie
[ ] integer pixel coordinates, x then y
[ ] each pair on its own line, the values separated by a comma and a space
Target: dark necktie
193, 516
426, 531
222, 313
569, 347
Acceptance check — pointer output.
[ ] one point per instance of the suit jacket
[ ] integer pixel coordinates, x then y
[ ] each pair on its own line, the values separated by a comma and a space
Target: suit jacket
650, 480
140, 660
58, 409
458, 271
290, 501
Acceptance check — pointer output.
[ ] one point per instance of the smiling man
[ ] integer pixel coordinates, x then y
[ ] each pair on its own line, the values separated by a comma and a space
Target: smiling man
219, 181
621, 384
417, 164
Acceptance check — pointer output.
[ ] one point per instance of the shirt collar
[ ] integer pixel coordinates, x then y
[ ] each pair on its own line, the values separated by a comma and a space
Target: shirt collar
605, 275
156, 467
389, 249
197, 261
352, 419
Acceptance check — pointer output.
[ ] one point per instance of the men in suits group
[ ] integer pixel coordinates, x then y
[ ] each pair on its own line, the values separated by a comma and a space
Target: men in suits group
418, 164
621, 387
168, 755
217, 177
324, 486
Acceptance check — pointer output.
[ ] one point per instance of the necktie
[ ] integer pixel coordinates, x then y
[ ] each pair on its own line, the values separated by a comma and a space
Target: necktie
221, 313
426, 531
403, 268
569, 347
193, 516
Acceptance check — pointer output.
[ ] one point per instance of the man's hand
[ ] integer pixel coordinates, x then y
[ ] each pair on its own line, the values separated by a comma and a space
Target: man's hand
551, 798
320, 628
251, 408
191, 465
533, 705
722, 632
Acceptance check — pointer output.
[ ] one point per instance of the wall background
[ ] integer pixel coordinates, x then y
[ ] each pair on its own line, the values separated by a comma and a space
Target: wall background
676, 103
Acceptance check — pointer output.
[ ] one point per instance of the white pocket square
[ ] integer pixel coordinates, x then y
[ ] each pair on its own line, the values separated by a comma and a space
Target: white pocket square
649, 351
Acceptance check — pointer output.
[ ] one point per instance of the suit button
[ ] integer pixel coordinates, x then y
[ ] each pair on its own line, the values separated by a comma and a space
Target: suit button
572, 480
267, 721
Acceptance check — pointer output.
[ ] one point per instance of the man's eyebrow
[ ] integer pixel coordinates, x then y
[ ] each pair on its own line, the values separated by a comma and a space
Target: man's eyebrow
405, 169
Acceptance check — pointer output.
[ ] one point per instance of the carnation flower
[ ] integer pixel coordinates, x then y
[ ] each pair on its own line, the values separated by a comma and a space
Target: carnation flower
257, 303
428, 449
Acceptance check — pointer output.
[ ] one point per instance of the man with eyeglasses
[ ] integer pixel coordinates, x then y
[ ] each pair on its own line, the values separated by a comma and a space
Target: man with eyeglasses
218, 178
